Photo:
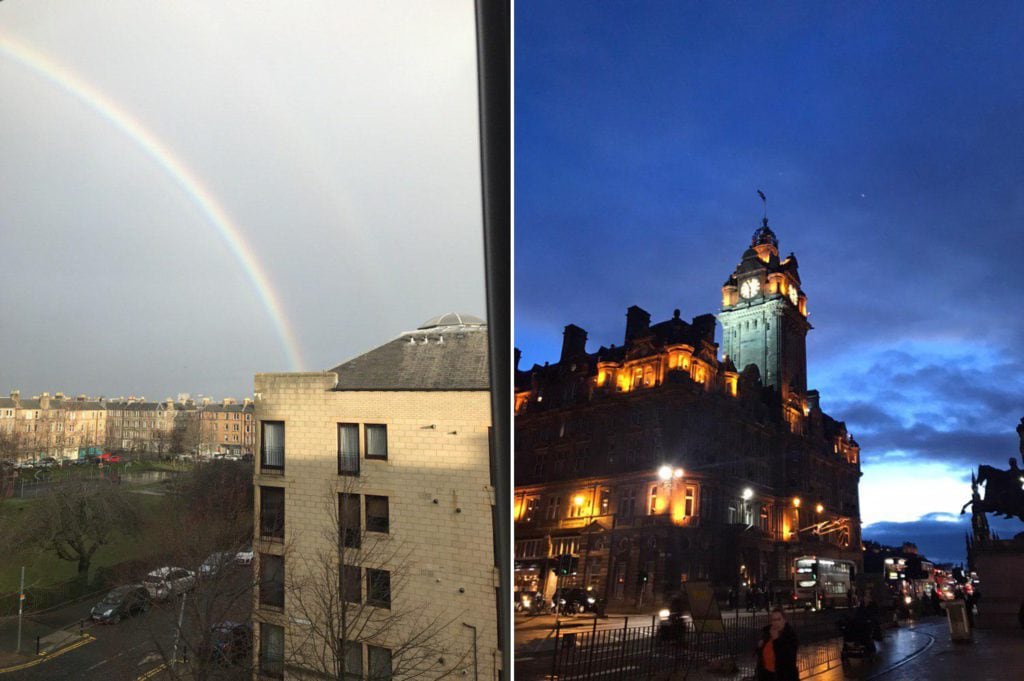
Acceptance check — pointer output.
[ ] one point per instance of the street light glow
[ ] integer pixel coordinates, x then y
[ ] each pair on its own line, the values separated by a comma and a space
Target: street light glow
665, 472
747, 494
679, 473
819, 508
796, 502
578, 500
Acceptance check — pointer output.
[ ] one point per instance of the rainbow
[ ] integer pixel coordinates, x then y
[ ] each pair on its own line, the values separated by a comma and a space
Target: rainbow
177, 170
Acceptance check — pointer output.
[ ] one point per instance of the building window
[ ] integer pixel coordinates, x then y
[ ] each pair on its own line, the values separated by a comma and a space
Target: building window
348, 449
353, 660
272, 445
532, 506
271, 650
272, 512
379, 663
349, 524
688, 505
376, 514
605, 501
378, 588
553, 504
271, 580
376, 441
652, 501
627, 502
351, 584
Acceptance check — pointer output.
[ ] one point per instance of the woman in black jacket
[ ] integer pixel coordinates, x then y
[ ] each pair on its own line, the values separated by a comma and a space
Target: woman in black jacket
776, 653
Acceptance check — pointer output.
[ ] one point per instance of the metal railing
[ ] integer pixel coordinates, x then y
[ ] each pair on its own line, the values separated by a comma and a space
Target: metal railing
651, 652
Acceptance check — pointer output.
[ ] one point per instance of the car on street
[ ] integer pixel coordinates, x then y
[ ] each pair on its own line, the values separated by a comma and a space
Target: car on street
120, 603
568, 601
107, 457
47, 462
244, 557
230, 642
216, 562
165, 582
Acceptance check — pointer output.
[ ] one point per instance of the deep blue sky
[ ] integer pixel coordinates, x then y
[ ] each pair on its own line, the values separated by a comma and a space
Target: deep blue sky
889, 139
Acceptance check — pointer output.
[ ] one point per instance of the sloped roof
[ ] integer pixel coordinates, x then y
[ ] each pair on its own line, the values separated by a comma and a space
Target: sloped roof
449, 357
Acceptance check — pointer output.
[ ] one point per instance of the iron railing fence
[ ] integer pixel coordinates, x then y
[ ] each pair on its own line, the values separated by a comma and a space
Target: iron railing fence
652, 652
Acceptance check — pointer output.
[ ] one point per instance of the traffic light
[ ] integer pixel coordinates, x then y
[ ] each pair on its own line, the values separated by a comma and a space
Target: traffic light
643, 576
564, 564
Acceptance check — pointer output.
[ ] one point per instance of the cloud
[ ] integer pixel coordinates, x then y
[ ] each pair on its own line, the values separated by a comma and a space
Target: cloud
939, 536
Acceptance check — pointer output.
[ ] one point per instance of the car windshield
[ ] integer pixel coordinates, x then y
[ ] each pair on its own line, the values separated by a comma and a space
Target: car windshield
114, 597
151, 579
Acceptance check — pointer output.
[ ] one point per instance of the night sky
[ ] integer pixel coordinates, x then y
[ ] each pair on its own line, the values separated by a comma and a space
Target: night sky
888, 139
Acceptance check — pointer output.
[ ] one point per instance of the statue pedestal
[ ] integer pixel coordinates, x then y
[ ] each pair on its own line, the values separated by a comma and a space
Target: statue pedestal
1000, 568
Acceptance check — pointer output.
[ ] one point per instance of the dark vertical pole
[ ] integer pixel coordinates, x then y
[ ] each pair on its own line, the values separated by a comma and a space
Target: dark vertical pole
493, 29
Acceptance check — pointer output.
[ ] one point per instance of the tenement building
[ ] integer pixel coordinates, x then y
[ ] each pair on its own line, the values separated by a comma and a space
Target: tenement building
671, 458
374, 510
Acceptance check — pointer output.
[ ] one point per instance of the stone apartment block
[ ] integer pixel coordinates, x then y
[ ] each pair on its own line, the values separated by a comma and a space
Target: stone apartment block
56, 426
64, 427
374, 486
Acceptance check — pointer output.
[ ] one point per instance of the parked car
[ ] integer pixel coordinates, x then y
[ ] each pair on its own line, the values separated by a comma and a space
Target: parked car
244, 557
165, 582
230, 642
107, 457
47, 462
216, 562
120, 603
568, 601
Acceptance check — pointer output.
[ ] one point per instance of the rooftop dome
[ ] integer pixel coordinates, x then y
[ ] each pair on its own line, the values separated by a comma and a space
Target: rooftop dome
452, 319
764, 235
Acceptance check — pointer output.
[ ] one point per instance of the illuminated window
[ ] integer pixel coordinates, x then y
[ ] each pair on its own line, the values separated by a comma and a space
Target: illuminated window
688, 504
652, 501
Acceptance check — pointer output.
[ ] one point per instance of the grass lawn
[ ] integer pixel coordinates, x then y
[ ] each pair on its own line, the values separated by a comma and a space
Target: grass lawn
44, 569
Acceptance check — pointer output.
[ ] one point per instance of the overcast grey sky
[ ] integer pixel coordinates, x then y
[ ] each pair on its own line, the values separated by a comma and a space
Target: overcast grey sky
195, 192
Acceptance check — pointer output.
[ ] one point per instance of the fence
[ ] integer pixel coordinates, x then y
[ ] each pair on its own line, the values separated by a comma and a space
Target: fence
650, 652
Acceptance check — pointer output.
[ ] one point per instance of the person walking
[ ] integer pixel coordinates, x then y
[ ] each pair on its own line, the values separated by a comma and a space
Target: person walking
776, 652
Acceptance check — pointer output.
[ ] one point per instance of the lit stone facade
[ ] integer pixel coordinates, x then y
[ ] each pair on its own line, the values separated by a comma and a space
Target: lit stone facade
57, 426
435, 478
660, 461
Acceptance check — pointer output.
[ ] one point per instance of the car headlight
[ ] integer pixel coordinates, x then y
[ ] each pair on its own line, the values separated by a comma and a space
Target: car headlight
561, 601
108, 613
907, 600
526, 602
663, 614
591, 600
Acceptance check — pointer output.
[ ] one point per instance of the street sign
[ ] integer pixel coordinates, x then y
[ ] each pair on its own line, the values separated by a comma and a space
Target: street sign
704, 607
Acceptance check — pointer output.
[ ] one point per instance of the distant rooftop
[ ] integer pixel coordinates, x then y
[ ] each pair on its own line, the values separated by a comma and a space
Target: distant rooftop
448, 352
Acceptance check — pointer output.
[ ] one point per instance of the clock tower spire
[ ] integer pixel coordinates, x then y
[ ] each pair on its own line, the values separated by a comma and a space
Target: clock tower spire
764, 317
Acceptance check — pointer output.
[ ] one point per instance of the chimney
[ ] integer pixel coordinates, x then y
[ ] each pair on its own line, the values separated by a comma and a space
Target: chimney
44, 401
813, 400
15, 395
638, 321
519, 356
574, 342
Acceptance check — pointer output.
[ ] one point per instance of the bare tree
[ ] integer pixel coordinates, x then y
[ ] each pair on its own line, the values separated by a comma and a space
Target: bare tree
78, 517
354, 591
213, 512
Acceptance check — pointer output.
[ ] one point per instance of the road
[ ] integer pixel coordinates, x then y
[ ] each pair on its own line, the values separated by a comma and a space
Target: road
137, 645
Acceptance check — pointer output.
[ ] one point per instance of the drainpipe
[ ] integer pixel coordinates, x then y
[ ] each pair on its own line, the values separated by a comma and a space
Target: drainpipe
476, 672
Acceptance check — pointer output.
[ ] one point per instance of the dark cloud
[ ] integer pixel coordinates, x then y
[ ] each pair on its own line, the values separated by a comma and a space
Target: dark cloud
938, 536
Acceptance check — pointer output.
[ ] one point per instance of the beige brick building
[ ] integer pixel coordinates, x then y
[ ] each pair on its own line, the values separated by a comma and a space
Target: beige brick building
374, 511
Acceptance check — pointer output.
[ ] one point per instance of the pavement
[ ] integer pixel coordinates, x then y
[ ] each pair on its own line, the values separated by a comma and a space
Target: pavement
912, 652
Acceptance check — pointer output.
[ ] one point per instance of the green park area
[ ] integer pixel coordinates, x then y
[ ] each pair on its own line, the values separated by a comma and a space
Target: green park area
45, 572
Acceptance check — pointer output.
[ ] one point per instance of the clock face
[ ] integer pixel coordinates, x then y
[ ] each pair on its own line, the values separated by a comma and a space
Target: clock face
794, 295
749, 288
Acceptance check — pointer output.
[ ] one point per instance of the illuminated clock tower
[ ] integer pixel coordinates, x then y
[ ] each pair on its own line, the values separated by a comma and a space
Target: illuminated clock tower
764, 318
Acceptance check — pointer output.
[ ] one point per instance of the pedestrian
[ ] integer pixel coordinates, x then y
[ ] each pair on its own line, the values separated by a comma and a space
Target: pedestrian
776, 652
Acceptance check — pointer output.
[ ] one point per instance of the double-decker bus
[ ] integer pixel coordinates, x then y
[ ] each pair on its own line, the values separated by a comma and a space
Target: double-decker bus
821, 582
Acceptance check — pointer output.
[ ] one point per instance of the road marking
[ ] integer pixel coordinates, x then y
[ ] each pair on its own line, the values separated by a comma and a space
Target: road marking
154, 671
44, 657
